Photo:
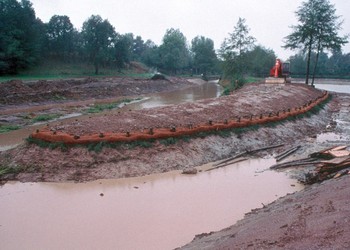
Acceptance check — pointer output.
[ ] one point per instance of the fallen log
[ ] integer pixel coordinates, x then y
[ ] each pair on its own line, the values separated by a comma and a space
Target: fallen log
227, 163
247, 152
300, 162
265, 148
230, 159
286, 153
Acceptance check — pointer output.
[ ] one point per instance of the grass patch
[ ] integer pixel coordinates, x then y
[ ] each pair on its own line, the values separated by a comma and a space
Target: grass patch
8, 128
4, 170
96, 147
97, 108
168, 141
44, 118
44, 144
54, 69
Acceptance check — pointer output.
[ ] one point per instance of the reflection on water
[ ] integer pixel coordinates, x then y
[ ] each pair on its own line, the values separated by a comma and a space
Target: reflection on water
154, 212
203, 91
334, 87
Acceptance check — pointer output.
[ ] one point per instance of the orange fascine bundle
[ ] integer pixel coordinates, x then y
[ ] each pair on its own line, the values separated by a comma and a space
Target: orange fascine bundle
163, 133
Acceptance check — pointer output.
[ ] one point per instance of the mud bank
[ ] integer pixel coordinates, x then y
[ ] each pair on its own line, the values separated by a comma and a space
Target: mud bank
34, 163
315, 218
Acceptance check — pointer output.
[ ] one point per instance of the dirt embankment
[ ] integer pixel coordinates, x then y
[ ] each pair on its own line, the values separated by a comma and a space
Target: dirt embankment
81, 164
20, 101
17, 92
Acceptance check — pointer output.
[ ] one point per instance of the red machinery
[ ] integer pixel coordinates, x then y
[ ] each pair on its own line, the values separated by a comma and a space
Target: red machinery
280, 69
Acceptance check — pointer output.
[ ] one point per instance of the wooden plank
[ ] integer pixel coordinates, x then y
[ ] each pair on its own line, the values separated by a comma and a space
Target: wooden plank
340, 153
336, 161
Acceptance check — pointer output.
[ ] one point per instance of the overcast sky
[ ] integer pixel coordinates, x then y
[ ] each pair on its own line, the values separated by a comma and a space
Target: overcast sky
268, 20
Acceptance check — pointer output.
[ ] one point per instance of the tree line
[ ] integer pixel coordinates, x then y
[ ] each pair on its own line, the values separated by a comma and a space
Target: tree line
26, 41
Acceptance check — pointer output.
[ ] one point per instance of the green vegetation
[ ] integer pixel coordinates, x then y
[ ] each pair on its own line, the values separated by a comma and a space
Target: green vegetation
168, 141
46, 117
54, 69
241, 57
101, 107
97, 108
317, 31
4, 170
8, 128
231, 85
44, 144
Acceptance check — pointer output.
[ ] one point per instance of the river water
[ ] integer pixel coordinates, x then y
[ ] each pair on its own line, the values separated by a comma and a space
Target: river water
154, 212
161, 211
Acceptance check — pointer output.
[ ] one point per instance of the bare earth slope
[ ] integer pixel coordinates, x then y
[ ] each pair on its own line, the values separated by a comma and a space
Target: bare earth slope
315, 218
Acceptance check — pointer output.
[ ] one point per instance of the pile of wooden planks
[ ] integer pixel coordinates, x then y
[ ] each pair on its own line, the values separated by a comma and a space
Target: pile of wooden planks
337, 165
330, 163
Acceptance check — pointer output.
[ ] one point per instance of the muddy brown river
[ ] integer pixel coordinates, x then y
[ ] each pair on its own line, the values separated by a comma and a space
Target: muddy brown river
153, 212
162, 211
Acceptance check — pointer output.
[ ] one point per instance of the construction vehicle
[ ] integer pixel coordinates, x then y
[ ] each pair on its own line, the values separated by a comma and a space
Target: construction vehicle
279, 73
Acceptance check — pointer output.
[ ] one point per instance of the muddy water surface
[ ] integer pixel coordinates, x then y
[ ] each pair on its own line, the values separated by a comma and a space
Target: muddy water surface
153, 212
199, 92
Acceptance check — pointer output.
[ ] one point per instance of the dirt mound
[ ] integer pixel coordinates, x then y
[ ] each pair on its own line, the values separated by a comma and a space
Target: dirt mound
252, 105
18, 92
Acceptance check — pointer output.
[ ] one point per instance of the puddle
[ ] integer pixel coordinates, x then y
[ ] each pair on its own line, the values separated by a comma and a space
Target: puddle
4, 148
153, 212
63, 117
340, 88
328, 137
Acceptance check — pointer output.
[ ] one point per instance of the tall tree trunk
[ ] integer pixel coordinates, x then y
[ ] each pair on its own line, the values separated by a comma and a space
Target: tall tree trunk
308, 64
96, 67
316, 61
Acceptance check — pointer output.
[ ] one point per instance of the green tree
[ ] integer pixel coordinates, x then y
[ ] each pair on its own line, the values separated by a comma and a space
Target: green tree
317, 30
234, 51
138, 48
151, 55
204, 56
123, 49
260, 60
20, 36
297, 63
61, 36
98, 38
174, 53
